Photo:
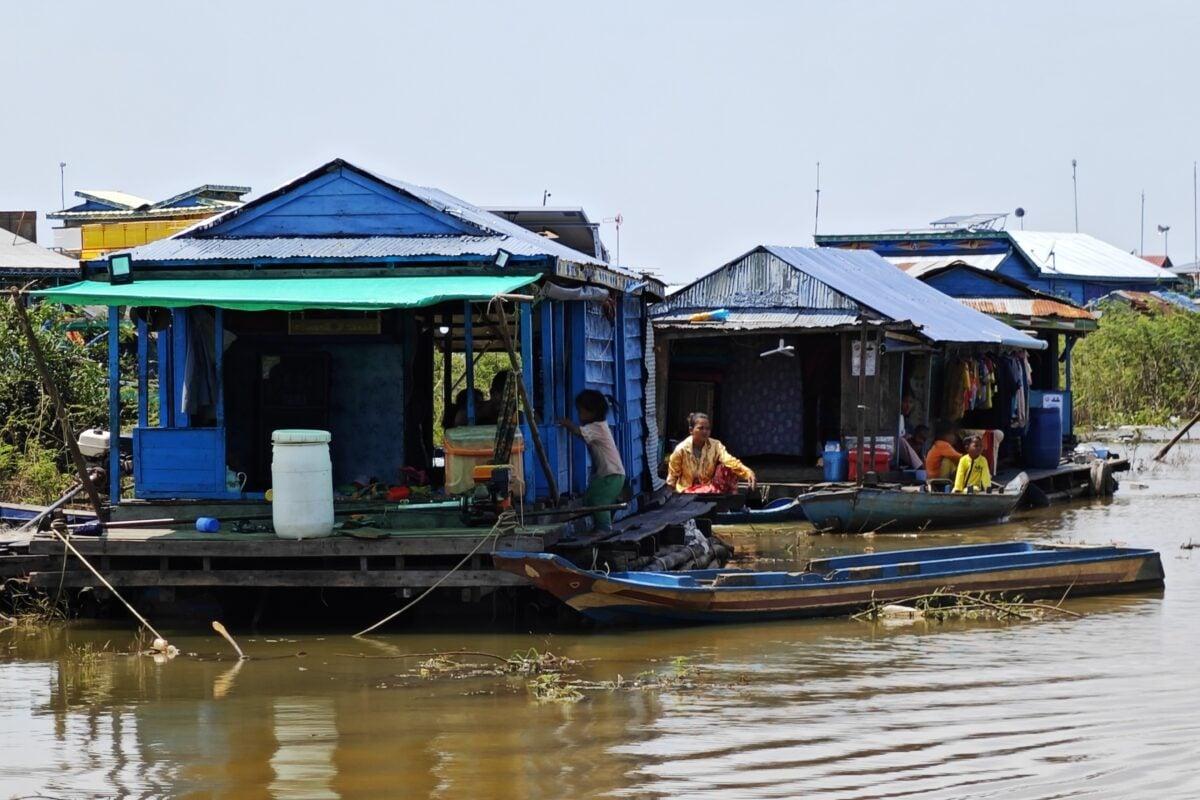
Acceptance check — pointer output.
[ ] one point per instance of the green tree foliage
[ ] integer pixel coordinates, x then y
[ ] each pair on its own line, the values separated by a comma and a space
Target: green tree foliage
34, 465
486, 367
1137, 369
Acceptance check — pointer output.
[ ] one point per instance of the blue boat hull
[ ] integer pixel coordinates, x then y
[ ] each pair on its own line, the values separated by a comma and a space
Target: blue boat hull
864, 509
784, 509
837, 586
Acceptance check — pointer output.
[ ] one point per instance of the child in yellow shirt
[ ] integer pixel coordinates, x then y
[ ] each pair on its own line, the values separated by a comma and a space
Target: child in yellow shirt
973, 474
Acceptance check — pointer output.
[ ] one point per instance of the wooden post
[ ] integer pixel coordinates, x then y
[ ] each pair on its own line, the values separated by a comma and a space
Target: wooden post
862, 396
878, 394
526, 332
469, 359
447, 363
143, 369
166, 377
114, 405
219, 364
60, 410
1167, 447
549, 410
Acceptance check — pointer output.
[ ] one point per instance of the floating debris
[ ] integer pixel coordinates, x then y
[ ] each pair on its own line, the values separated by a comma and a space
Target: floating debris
942, 605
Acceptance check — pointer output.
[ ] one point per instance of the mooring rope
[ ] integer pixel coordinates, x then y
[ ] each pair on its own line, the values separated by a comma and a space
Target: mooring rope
505, 523
66, 542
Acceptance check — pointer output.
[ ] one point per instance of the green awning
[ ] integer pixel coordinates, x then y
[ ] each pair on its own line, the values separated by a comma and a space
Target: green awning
290, 294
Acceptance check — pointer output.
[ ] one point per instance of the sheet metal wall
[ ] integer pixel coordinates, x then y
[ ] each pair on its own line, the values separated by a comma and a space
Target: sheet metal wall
759, 280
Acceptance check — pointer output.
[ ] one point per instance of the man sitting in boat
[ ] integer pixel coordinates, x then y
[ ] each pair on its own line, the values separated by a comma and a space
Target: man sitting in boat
942, 457
701, 465
973, 474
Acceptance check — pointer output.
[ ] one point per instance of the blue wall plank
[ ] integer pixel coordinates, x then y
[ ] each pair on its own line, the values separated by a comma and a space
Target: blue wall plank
341, 203
959, 282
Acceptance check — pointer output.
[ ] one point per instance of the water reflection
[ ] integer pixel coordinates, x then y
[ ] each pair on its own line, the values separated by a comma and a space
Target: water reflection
1100, 706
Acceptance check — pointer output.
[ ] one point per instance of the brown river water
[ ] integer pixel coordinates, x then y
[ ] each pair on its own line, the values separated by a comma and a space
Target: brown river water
1102, 706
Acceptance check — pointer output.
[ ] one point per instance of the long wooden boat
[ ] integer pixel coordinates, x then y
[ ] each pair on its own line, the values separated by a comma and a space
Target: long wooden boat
782, 509
837, 586
863, 508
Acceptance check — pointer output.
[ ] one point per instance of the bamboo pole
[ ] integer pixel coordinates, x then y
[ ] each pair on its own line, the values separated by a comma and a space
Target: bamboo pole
114, 438
1167, 447
531, 418
66, 540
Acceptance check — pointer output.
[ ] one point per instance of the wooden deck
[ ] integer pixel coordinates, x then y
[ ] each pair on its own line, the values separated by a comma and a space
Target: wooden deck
184, 557
411, 548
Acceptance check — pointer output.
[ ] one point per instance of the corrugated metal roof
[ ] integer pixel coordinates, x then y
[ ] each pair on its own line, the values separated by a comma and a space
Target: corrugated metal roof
113, 197
1025, 307
294, 247
758, 279
917, 266
877, 285
18, 253
842, 283
761, 319
1081, 255
209, 207
508, 235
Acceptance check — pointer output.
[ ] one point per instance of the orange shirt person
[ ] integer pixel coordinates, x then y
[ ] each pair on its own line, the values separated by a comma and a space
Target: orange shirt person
942, 459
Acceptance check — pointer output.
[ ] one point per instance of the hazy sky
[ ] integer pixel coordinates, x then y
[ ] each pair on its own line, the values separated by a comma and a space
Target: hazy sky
700, 122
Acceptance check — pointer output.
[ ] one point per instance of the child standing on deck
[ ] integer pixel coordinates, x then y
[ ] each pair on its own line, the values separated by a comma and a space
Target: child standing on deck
608, 473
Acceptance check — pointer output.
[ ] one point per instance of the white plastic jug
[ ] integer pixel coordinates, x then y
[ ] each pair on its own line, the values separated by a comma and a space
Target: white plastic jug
301, 484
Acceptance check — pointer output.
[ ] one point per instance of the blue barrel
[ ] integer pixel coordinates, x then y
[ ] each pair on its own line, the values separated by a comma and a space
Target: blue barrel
1043, 440
836, 465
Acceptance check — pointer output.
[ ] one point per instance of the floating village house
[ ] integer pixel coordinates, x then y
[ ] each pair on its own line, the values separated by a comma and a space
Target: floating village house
333, 302
771, 345
1055, 320
110, 220
23, 261
1076, 266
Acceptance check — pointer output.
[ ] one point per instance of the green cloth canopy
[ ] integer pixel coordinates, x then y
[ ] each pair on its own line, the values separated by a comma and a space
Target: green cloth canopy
290, 294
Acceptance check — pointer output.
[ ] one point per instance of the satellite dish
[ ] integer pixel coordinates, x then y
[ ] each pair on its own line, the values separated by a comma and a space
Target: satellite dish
1020, 212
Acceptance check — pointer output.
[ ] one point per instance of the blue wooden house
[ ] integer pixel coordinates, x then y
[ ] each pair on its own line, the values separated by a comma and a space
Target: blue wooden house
333, 302
1076, 266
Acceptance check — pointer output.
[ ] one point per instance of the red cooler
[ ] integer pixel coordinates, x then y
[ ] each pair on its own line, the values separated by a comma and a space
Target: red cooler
883, 459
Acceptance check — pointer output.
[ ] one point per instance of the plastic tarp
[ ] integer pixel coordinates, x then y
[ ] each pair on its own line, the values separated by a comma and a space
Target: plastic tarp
290, 294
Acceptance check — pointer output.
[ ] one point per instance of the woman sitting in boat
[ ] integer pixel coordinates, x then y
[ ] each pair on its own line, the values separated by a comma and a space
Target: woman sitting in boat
973, 474
942, 457
701, 465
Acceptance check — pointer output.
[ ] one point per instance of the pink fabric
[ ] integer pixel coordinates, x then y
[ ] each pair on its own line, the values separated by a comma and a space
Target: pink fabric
724, 481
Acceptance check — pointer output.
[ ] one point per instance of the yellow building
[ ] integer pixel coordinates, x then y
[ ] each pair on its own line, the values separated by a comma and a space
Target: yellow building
110, 220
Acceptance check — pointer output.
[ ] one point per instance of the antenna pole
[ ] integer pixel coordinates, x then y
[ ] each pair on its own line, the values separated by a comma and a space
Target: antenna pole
62, 184
1195, 232
817, 209
1075, 191
1142, 241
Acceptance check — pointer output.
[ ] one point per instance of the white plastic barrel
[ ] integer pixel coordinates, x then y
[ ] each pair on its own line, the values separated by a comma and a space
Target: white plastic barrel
301, 484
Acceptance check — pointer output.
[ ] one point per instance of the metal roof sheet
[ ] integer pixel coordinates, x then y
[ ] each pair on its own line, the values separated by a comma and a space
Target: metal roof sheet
1081, 255
113, 197
1025, 307
760, 320
297, 247
18, 253
867, 278
495, 233
917, 266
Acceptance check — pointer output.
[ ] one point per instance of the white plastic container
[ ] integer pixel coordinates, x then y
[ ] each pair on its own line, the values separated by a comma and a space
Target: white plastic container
301, 484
